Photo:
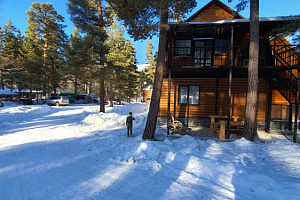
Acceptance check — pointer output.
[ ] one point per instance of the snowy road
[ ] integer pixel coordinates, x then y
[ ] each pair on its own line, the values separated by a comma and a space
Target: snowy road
74, 152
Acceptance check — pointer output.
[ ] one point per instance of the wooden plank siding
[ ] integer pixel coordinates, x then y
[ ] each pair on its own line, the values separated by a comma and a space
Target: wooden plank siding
207, 98
184, 65
212, 13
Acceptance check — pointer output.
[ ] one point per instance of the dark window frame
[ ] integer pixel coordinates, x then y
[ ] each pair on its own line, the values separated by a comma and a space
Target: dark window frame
181, 49
188, 95
206, 48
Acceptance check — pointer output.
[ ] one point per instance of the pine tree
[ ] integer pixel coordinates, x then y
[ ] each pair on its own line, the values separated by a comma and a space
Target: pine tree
130, 71
1, 58
115, 41
145, 18
89, 17
122, 63
151, 61
47, 25
77, 59
11, 43
32, 61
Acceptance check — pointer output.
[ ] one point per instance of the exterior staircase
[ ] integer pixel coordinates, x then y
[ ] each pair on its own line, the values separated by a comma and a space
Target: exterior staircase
286, 81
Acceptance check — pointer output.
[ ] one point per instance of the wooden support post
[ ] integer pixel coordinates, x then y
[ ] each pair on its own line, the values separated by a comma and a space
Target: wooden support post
169, 103
269, 117
188, 108
290, 117
229, 104
217, 95
169, 82
221, 133
229, 83
296, 107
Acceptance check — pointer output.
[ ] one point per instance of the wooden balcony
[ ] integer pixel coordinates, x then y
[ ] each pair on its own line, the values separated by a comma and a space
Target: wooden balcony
213, 57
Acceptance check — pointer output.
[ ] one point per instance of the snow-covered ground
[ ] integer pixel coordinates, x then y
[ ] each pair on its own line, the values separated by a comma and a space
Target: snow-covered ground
74, 152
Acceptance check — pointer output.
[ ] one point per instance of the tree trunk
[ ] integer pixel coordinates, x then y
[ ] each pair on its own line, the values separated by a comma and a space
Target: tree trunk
251, 106
111, 94
2, 81
75, 85
102, 93
150, 127
120, 97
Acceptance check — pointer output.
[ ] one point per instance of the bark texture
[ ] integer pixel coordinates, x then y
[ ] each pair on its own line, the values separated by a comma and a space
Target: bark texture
150, 127
102, 92
250, 128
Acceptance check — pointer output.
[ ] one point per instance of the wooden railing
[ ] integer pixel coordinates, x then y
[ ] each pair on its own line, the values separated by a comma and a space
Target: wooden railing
270, 55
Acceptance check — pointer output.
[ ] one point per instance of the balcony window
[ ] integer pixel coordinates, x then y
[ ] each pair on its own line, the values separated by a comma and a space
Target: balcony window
191, 92
203, 53
222, 46
183, 47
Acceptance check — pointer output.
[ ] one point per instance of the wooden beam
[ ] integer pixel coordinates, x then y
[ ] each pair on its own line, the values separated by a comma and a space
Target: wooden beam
169, 103
269, 117
296, 108
290, 117
229, 83
217, 95
169, 82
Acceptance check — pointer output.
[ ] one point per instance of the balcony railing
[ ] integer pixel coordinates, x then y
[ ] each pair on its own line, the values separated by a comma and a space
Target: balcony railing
269, 55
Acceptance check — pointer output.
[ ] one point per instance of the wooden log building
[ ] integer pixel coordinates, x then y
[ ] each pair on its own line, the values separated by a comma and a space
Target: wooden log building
206, 68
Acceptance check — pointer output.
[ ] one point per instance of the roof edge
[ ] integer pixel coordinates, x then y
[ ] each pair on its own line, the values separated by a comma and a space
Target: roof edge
220, 4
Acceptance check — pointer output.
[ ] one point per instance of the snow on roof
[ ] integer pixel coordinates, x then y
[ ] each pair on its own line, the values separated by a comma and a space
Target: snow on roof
26, 90
261, 19
15, 91
8, 92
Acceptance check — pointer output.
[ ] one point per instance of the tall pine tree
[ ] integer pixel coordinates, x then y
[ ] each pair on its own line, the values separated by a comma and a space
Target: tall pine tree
10, 54
122, 63
151, 61
90, 17
251, 103
145, 18
47, 25
77, 59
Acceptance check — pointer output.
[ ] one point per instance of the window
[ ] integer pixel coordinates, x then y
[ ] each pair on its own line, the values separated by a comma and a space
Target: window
222, 46
183, 47
203, 53
194, 95
189, 91
183, 93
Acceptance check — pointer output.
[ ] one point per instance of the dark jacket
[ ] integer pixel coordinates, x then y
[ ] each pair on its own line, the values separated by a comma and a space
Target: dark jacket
129, 120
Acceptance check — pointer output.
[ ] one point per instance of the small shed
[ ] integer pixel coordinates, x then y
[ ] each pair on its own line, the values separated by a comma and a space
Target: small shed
147, 93
9, 95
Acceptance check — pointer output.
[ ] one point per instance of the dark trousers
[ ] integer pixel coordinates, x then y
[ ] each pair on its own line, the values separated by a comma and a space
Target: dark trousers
129, 129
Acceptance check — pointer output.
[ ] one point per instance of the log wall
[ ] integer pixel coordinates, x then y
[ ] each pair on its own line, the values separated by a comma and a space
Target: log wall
207, 98
212, 13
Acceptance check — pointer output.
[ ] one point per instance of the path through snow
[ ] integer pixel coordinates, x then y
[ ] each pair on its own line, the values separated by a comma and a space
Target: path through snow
74, 152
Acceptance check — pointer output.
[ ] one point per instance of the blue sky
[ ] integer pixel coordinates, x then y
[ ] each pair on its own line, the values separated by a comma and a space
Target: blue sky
15, 10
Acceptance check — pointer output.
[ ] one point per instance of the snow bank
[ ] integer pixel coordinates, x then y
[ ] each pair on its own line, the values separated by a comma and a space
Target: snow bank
75, 152
12, 113
116, 117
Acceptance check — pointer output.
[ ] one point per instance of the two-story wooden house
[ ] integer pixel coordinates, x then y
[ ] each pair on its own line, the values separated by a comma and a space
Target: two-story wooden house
206, 68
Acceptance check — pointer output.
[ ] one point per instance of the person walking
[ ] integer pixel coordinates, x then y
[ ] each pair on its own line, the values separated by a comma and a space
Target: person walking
129, 123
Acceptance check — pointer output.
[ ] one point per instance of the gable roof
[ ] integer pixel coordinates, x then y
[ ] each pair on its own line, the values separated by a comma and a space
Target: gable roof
218, 3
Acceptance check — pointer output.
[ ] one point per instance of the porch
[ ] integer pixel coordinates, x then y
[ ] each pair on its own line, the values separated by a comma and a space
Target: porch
204, 133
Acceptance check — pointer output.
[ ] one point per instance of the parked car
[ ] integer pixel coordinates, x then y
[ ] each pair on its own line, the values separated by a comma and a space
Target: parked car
57, 101
1, 103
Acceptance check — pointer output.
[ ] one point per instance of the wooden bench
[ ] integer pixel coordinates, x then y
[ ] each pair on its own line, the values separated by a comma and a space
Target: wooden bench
214, 124
223, 124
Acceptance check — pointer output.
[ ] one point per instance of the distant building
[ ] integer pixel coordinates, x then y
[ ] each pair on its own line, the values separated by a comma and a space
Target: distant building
147, 93
7, 95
